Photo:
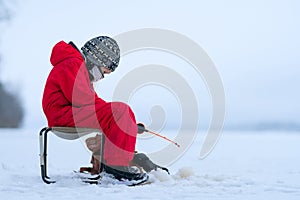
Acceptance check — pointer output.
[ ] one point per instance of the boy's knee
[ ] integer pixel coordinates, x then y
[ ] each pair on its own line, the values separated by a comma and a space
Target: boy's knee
120, 107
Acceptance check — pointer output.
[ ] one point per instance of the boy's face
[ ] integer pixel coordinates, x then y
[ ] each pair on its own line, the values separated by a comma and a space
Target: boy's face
105, 70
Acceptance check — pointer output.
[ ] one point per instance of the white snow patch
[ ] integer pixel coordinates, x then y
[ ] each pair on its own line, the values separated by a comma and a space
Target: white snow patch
242, 166
160, 176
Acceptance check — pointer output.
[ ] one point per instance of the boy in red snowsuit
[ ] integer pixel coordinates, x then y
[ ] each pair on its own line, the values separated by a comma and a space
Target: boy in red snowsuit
69, 100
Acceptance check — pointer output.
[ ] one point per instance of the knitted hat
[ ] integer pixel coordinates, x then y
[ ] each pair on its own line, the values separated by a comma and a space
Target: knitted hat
102, 51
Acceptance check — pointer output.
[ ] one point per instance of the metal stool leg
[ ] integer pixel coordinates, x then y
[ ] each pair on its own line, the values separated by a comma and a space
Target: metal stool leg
43, 154
102, 152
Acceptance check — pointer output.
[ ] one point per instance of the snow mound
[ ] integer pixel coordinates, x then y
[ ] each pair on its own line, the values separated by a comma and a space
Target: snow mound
162, 176
185, 172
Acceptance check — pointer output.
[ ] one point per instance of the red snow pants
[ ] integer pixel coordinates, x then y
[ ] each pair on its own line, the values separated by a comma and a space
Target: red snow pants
120, 129
118, 124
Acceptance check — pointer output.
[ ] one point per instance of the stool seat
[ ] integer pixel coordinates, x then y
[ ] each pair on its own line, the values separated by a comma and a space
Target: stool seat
72, 133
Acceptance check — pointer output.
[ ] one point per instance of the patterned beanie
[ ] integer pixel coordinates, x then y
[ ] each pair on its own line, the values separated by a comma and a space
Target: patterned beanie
102, 51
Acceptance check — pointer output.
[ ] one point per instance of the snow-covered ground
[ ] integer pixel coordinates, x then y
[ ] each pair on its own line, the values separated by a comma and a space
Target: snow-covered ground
243, 165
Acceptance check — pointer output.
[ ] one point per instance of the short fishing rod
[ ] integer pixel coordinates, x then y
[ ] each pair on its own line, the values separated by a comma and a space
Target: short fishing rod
142, 129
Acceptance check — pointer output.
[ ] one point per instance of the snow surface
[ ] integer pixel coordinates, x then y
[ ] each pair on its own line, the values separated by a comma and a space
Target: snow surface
243, 165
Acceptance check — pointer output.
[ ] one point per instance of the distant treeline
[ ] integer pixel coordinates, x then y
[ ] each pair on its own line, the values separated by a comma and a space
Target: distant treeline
11, 111
288, 126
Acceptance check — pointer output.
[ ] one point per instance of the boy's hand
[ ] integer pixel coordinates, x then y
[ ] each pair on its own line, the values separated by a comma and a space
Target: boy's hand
141, 128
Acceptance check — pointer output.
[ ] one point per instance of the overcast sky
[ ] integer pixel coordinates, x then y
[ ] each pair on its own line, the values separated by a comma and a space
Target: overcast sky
254, 44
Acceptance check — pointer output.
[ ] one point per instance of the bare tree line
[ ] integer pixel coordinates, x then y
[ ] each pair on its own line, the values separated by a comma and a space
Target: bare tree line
11, 111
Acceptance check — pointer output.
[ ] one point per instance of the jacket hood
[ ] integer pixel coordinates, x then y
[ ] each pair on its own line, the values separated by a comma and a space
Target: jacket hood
62, 51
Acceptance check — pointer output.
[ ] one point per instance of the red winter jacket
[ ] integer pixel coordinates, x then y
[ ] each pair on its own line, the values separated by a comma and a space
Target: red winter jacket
68, 89
70, 100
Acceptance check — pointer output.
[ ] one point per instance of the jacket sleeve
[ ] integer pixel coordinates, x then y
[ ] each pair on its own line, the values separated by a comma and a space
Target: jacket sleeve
75, 84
